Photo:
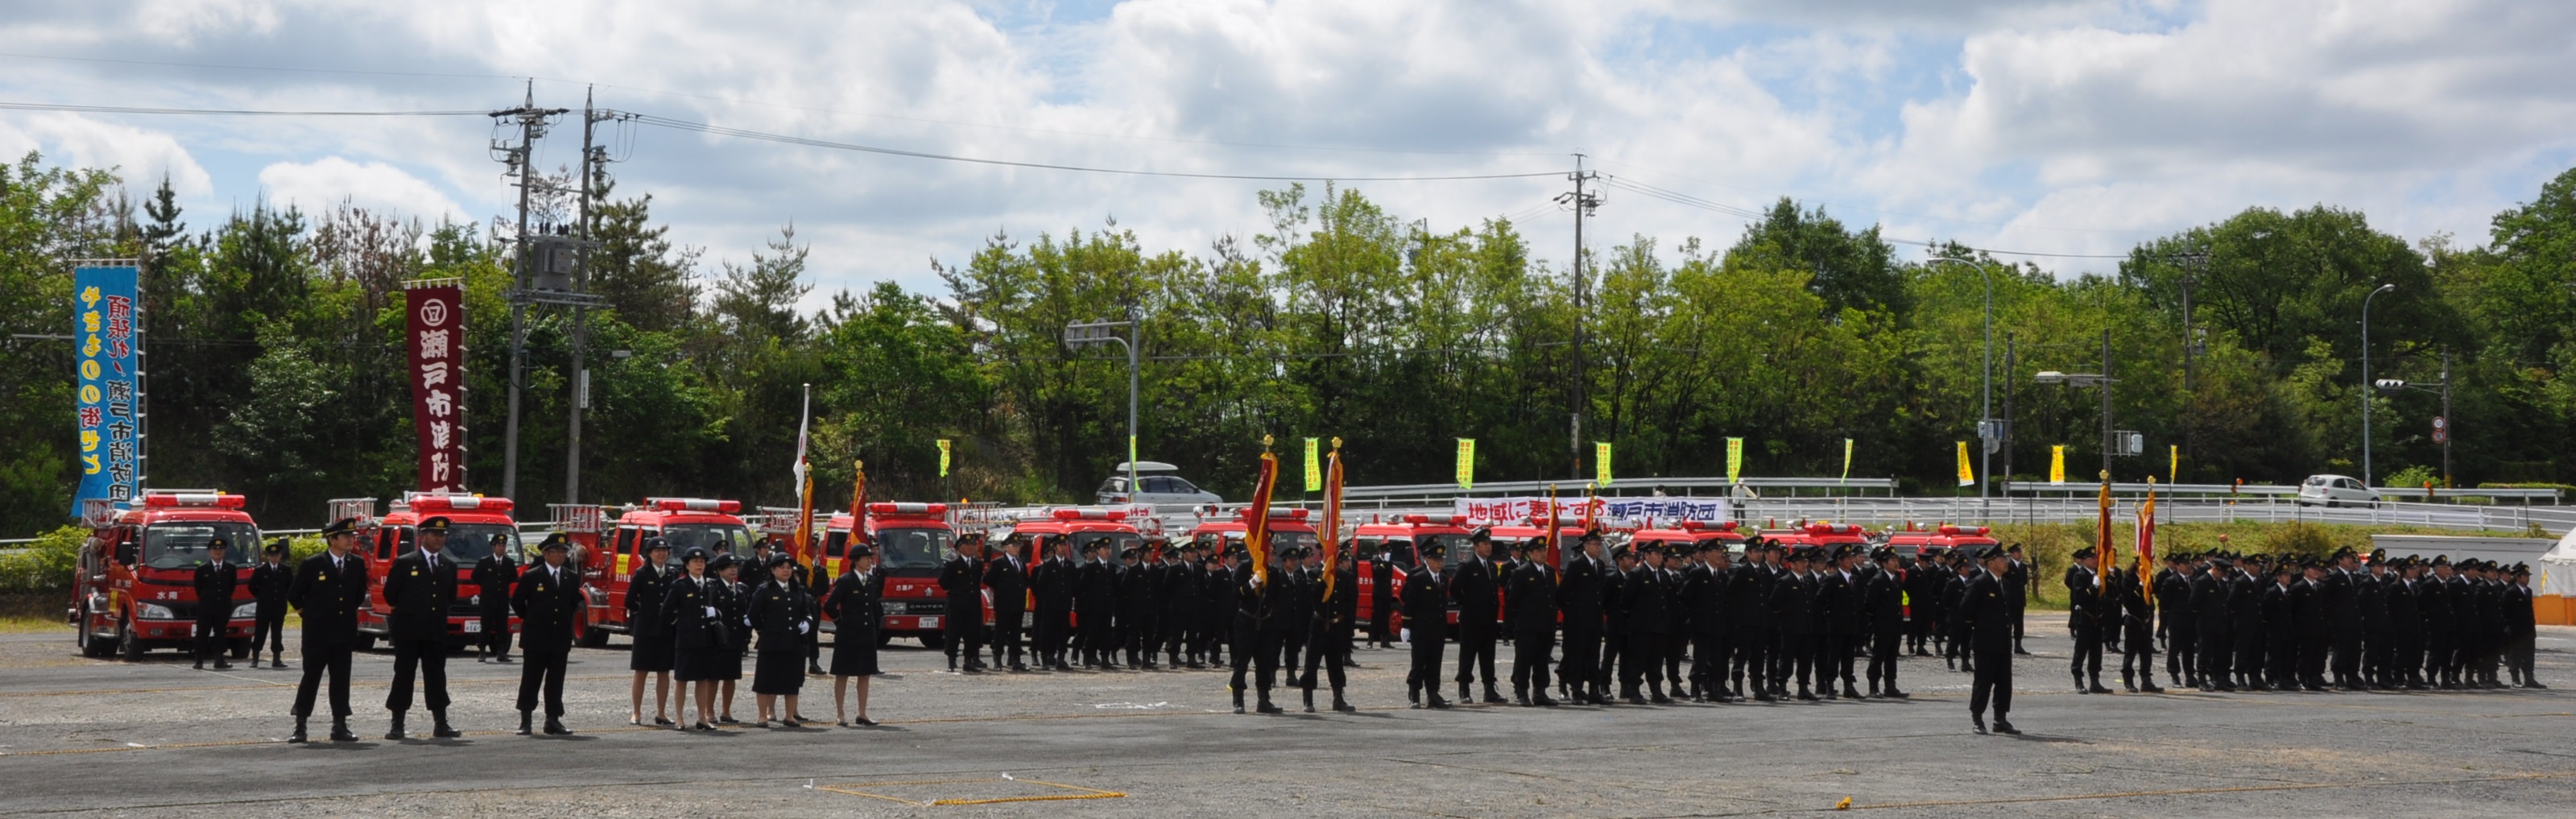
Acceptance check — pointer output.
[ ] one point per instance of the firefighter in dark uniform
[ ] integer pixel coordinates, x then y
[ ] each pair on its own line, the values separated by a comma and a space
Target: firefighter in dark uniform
1578, 599
2016, 582
1179, 598
655, 653
2403, 596
2175, 622
2280, 628
420, 588
1008, 578
2524, 633
215, 580
1793, 612
2310, 608
268, 584
1646, 598
1426, 615
1259, 617
2214, 625
1987, 614
1883, 608
1531, 593
2088, 615
1839, 607
2378, 636
1382, 599
961, 580
493, 575
329, 588
2245, 602
1703, 594
1095, 605
1138, 580
1336, 607
1748, 593
1216, 602
548, 599
2138, 637
1614, 618
1475, 589
2339, 588
1051, 581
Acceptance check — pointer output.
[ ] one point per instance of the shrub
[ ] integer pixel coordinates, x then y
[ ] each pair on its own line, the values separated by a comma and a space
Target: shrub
2299, 537
46, 563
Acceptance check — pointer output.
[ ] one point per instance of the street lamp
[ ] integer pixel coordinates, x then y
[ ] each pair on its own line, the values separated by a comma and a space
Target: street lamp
1987, 430
2442, 432
2365, 381
2103, 379
1077, 334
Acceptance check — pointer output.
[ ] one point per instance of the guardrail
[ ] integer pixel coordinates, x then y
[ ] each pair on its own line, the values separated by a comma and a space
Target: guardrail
1386, 495
2028, 509
2264, 490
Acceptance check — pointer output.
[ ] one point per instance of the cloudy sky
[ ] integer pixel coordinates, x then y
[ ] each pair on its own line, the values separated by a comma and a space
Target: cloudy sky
2076, 127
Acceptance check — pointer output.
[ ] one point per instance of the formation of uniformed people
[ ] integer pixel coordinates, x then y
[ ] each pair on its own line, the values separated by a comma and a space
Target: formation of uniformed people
1667, 620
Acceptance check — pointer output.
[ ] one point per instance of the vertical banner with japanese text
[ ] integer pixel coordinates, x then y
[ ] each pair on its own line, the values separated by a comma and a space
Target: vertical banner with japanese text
1466, 463
105, 318
435, 333
1734, 459
2057, 463
1314, 469
1601, 462
1967, 473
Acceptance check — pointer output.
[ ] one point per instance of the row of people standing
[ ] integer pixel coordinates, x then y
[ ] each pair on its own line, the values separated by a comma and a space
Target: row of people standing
697, 624
2236, 622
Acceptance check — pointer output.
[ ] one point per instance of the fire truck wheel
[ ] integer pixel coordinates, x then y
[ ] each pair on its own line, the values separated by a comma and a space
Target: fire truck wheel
594, 637
87, 637
932, 641
130, 649
240, 647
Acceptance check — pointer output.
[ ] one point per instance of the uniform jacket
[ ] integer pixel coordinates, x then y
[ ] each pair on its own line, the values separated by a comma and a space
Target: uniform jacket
2211, 611
1648, 598
1533, 599
1987, 614
2405, 618
2307, 608
781, 613
215, 583
684, 611
1473, 586
492, 578
2245, 604
856, 605
268, 585
1095, 590
1578, 595
1008, 578
645, 591
329, 596
548, 601
1883, 602
961, 581
1136, 587
420, 596
2086, 611
1180, 592
1748, 594
2341, 598
1793, 607
1426, 605
1258, 602
2173, 600
1838, 603
1704, 596
1052, 580
2280, 617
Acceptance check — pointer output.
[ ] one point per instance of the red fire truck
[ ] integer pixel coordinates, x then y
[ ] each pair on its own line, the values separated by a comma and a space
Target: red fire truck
1288, 527
684, 523
477, 527
135, 587
1910, 543
1692, 531
1820, 534
911, 540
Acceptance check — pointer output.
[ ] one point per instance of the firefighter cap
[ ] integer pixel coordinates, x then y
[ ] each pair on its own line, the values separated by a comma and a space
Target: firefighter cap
694, 554
859, 550
218, 543
343, 526
1481, 535
656, 544
276, 547
434, 523
555, 542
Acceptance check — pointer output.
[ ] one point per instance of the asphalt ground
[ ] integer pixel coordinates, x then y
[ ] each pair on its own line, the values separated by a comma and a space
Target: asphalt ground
96, 737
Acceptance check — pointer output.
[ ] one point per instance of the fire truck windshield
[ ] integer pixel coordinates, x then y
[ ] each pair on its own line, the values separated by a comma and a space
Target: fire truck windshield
469, 542
912, 548
1453, 548
716, 538
182, 545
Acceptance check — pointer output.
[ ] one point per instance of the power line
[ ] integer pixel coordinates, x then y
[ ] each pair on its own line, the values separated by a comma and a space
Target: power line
718, 130
231, 112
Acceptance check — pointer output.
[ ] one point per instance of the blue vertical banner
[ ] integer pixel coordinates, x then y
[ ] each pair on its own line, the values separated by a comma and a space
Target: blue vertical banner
105, 315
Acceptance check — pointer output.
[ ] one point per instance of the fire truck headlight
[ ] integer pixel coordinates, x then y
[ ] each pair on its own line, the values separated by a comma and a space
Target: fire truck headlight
245, 610
156, 612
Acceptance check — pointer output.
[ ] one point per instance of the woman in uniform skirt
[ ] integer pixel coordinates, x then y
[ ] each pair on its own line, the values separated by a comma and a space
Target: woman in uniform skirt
653, 655
855, 606
697, 641
782, 611
735, 605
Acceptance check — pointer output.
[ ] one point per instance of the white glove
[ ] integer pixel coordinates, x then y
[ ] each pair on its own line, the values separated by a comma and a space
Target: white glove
802, 627
711, 612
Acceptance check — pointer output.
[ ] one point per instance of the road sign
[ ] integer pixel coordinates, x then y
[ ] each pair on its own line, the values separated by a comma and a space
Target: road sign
2441, 430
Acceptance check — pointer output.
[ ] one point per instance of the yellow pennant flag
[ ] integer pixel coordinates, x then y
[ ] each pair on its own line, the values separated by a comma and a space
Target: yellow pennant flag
1601, 462
1466, 463
2173, 463
1847, 450
2057, 464
1734, 459
943, 457
1314, 469
1967, 474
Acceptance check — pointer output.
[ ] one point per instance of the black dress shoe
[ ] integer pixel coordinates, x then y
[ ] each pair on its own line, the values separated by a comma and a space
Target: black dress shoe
341, 733
555, 727
2002, 727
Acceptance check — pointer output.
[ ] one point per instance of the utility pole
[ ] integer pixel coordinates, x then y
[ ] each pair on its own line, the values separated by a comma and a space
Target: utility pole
590, 160
2449, 429
532, 124
2008, 406
2109, 437
2191, 349
1583, 204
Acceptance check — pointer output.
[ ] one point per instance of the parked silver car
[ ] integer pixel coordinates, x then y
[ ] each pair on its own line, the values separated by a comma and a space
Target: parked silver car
1154, 485
2335, 490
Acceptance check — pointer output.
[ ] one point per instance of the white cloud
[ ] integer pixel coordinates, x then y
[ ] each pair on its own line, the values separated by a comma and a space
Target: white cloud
140, 157
376, 186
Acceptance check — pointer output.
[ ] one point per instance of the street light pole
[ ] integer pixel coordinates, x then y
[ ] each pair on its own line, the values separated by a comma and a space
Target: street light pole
2365, 381
1097, 332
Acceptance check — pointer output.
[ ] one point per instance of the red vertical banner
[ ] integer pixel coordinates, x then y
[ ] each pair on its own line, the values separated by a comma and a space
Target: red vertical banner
434, 330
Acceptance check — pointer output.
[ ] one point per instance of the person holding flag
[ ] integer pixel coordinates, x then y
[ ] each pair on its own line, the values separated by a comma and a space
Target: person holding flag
1336, 597
1257, 599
